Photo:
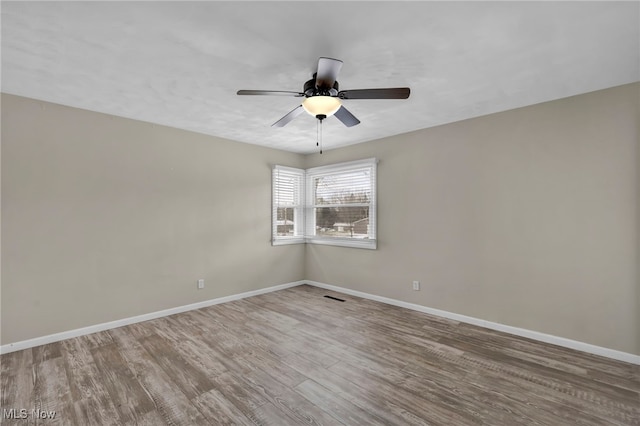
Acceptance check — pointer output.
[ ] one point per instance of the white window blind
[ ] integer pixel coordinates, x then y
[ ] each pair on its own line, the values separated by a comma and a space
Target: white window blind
288, 210
339, 204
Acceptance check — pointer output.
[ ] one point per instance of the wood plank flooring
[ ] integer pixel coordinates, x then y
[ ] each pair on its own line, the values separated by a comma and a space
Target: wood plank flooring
294, 357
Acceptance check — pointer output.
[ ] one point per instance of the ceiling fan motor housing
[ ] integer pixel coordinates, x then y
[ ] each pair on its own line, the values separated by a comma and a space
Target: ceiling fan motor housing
310, 89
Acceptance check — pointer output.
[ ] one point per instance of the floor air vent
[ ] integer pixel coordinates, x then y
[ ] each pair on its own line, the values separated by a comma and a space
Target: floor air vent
334, 298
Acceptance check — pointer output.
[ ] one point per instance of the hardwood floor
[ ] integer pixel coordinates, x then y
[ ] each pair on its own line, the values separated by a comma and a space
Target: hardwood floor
294, 357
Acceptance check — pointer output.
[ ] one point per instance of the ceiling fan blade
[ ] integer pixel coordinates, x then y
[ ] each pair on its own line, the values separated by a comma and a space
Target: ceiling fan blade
346, 117
327, 73
270, 92
390, 93
289, 117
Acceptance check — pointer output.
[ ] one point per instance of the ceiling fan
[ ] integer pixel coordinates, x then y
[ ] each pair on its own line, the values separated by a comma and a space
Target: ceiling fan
323, 97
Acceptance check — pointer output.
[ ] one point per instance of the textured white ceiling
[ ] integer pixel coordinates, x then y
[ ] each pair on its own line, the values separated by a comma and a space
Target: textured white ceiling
181, 63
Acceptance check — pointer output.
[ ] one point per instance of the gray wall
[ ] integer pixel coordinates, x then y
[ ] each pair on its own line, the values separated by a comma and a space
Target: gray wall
104, 218
527, 218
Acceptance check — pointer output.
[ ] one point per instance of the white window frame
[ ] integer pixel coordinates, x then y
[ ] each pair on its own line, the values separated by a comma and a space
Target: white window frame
309, 231
298, 207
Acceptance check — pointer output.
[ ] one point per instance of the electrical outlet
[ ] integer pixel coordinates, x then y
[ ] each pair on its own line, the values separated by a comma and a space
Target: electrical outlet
200, 284
416, 285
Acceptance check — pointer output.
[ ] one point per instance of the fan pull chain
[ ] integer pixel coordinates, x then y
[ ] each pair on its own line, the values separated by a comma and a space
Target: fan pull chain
320, 136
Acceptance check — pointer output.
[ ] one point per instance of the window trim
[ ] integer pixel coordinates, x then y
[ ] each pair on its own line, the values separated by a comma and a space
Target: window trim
331, 169
305, 213
299, 208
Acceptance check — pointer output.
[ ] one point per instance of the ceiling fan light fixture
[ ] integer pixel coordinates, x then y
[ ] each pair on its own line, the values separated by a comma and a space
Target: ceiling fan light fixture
321, 105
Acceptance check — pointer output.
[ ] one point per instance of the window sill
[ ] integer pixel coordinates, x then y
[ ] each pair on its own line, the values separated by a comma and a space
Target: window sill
345, 242
339, 242
286, 241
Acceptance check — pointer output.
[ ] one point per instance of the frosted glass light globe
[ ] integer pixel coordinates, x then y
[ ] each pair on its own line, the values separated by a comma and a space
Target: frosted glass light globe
321, 105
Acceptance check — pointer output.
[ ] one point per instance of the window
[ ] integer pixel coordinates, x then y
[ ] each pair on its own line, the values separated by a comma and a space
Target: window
288, 212
339, 204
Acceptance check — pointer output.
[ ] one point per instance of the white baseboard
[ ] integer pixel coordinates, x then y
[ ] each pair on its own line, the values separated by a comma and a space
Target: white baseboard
26, 344
535, 335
